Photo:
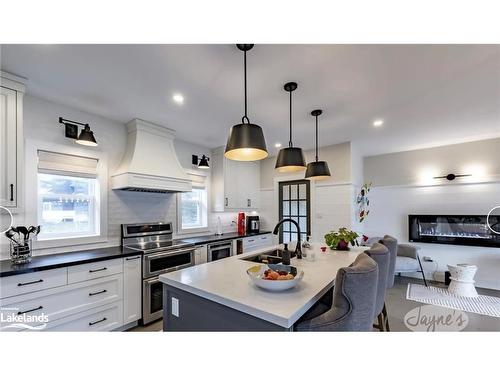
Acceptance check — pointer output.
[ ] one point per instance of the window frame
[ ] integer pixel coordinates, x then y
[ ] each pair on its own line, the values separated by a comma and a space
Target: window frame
101, 209
94, 202
196, 175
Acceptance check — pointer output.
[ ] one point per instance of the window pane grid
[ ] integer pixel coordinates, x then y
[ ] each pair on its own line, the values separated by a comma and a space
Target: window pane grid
67, 206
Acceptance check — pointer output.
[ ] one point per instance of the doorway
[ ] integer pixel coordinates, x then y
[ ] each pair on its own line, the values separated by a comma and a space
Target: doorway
295, 204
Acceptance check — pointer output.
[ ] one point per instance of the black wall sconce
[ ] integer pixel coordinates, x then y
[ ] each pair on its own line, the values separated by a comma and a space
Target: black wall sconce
86, 136
452, 176
202, 162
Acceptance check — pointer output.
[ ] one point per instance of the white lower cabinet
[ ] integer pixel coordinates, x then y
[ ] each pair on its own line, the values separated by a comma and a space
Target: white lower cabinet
257, 242
105, 318
200, 254
132, 284
99, 296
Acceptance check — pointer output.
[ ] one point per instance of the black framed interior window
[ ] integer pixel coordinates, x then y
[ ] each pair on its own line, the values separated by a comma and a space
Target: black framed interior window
295, 203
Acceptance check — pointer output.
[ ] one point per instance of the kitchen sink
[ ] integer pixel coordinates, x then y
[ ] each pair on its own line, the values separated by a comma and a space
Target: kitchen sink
270, 257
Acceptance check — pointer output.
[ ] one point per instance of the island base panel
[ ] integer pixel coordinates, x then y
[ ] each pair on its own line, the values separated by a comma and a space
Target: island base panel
200, 314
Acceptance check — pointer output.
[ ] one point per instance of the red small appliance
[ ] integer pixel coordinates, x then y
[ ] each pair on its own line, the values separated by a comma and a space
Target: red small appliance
241, 223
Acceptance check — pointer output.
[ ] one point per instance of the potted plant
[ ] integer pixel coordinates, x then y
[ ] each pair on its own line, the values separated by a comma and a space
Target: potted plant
340, 240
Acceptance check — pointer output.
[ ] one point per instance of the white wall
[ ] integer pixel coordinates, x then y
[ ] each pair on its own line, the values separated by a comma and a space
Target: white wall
399, 190
41, 124
332, 200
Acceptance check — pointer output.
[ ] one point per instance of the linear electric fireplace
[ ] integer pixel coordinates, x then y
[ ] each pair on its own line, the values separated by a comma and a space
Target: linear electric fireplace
468, 230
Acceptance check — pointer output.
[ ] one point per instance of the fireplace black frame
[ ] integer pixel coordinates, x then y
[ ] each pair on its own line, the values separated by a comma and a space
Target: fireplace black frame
425, 228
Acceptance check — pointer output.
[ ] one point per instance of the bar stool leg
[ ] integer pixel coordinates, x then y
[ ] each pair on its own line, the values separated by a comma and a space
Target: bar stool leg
386, 318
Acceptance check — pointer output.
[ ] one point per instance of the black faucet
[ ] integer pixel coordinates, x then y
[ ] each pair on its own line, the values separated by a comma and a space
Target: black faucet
298, 250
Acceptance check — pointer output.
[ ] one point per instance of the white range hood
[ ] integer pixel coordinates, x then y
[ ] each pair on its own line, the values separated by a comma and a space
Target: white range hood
150, 163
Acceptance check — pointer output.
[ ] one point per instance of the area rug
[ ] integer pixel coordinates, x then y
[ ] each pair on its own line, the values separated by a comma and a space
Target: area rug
484, 305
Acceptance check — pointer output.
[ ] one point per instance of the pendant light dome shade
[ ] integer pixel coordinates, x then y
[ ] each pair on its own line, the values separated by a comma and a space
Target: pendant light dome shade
317, 170
290, 159
246, 141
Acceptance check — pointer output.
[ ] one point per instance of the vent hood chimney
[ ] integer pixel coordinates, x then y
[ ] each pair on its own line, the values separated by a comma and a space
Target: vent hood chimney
150, 163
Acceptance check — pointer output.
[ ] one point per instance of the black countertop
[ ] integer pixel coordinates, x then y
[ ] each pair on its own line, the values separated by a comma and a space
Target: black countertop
73, 258
201, 240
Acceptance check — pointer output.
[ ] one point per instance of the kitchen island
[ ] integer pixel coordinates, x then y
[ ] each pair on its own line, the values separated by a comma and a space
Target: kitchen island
219, 296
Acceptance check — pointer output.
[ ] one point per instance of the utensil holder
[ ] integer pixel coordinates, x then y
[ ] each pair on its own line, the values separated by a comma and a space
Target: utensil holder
20, 254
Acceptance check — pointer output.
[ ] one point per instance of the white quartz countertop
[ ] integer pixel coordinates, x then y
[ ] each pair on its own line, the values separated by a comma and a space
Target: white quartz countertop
225, 281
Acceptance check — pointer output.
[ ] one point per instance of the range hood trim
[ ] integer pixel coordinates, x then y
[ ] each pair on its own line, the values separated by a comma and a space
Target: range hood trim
137, 173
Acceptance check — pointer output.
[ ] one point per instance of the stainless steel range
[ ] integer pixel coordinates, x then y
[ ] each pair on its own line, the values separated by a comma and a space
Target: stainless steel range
161, 254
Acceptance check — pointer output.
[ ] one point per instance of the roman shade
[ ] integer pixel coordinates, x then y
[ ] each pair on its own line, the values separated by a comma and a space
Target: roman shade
67, 165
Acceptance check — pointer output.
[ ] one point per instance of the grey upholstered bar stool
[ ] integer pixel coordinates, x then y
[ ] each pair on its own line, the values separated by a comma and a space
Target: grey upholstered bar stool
380, 254
392, 245
354, 298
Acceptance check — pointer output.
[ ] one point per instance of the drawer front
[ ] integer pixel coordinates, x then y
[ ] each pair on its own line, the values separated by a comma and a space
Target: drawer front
64, 301
32, 282
255, 242
94, 270
265, 240
105, 318
250, 242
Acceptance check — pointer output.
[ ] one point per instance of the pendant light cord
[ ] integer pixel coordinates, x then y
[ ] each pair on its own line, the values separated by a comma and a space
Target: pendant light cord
245, 75
316, 138
290, 144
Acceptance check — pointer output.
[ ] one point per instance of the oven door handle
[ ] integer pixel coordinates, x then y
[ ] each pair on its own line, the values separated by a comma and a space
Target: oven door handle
152, 281
168, 253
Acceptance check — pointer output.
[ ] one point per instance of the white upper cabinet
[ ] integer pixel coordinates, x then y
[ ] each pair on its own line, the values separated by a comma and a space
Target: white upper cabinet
11, 142
235, 184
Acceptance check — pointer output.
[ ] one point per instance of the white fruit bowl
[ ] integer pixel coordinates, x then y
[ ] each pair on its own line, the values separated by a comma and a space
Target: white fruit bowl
256, 273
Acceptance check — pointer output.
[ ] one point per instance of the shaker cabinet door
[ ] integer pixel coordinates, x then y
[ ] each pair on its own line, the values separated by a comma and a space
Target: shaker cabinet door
8, 148
132, 289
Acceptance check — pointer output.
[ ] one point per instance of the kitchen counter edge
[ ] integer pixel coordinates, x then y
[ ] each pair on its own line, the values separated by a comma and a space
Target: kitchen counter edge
67, 259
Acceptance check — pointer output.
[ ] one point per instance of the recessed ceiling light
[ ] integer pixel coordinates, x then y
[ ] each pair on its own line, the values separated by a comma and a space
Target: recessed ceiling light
378, 123
277, 145
178, 98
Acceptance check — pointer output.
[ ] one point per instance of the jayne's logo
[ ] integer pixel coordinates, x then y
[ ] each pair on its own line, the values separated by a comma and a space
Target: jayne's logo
428, 318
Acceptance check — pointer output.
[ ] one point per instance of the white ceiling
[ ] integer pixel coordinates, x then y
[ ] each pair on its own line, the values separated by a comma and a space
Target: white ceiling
427, 94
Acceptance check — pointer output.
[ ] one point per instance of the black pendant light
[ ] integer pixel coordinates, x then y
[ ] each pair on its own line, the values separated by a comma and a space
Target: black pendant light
290, 159
246, 140
317, 170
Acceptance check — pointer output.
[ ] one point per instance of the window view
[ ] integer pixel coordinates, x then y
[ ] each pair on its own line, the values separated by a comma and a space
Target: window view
67, 206
194, 209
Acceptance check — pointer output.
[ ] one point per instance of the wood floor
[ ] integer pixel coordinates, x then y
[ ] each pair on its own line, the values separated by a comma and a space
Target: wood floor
397, 306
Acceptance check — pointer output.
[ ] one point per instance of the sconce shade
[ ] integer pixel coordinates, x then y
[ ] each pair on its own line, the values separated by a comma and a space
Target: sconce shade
86, 137
203, 163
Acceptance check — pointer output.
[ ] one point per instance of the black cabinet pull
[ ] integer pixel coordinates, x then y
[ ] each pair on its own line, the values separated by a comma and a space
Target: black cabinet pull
96, 293
97, 321
249, 202
12, 192
133, 258
27, 311
227, 202
100, 269
31, 282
